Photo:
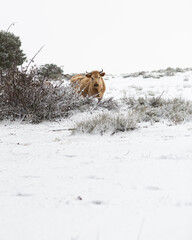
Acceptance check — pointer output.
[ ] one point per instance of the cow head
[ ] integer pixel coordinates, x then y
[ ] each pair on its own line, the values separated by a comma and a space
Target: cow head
95, 77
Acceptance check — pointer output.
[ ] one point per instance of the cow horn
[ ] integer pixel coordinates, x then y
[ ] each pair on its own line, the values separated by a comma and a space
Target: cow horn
101, 71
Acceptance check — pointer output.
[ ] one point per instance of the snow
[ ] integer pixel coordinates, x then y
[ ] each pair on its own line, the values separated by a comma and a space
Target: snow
135, 185
178, 86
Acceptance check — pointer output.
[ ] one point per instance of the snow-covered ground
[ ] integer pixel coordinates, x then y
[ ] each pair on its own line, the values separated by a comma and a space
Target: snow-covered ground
179, 86
135, 185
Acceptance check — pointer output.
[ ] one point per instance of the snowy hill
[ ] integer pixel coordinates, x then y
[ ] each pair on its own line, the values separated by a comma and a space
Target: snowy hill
171, 83
129, 185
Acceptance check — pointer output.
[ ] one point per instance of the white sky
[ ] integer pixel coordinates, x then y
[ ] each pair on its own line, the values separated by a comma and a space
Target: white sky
116, 35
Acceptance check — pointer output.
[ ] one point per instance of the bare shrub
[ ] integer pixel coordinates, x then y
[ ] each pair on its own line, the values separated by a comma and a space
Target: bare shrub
107, 103
23, 96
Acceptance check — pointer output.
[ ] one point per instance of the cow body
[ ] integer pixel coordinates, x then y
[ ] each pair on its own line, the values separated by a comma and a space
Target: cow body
91, 84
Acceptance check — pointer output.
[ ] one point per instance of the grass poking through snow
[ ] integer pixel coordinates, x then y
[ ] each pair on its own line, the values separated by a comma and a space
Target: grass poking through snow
135, 111
106, 122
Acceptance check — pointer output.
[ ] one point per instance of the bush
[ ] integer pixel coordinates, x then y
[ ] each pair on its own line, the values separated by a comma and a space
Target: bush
157, 109
22, 96
50, 71
11, 54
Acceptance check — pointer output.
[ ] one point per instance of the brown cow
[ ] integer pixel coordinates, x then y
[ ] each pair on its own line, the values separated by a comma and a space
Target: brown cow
91, 84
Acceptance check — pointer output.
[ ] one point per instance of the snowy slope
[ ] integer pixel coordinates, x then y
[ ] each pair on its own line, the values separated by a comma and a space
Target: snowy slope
179, 86
135, 185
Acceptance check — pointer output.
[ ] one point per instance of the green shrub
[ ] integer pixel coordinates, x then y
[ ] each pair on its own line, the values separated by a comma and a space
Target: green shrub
50, 71
11, 54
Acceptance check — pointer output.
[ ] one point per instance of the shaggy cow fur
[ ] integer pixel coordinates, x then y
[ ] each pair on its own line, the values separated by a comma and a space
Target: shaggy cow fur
91, 84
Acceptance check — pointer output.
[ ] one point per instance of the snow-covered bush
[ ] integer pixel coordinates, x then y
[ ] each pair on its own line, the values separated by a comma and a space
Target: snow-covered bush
157, 109
22, 96
138, 111
106, 122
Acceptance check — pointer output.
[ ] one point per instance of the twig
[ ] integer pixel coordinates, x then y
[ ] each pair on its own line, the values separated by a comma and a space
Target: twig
12, 24
64, 129
140, 229
34, 57
161, 95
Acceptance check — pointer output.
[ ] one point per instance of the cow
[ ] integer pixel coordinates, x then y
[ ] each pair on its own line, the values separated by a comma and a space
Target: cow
90, 84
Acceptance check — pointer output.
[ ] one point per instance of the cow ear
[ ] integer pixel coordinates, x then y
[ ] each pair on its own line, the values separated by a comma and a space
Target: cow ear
102, 74
88, 75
